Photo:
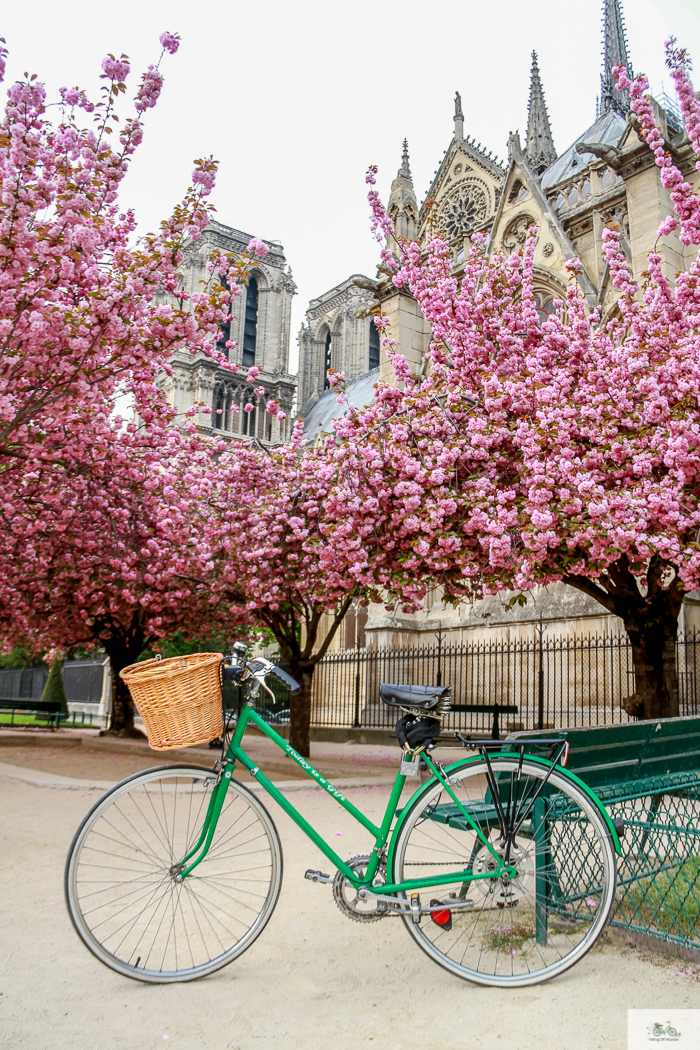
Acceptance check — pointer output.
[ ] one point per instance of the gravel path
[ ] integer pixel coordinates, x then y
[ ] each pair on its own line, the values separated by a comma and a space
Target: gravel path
313, 980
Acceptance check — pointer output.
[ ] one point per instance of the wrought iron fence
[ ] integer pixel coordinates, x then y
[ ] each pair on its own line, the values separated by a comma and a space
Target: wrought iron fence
82, 681
552, 682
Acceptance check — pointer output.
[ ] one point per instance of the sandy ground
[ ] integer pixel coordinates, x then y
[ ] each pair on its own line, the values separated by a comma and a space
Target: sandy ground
312, 980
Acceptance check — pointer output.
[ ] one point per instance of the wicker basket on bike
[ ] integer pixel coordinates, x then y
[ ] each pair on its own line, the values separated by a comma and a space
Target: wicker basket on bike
179, 699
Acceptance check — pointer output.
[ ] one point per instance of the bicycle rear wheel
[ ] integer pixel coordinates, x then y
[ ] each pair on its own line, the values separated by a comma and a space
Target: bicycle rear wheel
519, 931
121, 890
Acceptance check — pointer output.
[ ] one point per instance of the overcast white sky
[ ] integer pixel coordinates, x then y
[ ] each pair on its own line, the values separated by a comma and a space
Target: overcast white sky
296, 99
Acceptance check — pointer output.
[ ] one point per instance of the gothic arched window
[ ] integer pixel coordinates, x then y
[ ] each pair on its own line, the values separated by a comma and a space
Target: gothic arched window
373, 345
250, 330
327, 362
219, 405
544, 302
224, 326
249, 416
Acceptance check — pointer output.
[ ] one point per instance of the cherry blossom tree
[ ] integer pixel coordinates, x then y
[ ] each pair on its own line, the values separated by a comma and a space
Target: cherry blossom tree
89, 317
102, 558
535, 451
89, 313
262, 546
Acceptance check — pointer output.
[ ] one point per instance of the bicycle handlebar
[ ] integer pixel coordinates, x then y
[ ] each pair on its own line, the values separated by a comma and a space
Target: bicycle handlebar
259, 668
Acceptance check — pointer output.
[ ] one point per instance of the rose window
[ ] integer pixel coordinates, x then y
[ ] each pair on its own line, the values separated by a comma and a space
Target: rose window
464, 209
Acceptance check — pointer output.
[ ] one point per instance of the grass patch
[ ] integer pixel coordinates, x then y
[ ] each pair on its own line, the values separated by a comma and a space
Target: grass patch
668, 900
24, 718
514, 935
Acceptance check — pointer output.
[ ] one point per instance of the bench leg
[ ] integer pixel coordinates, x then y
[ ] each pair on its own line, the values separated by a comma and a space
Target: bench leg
651, 817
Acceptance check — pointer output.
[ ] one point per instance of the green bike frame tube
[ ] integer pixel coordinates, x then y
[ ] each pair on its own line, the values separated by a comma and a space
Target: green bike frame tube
235, 752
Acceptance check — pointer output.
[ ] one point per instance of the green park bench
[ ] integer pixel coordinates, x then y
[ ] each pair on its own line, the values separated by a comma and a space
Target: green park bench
51, 711
647, 775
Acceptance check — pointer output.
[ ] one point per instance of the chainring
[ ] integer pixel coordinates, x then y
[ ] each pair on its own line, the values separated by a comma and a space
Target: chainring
346, 897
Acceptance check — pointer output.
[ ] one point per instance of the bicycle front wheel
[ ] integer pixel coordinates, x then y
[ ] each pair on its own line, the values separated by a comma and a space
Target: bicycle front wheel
516, 931
120, 882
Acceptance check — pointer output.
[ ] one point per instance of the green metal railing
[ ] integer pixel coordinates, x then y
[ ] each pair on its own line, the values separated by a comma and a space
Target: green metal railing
659, 870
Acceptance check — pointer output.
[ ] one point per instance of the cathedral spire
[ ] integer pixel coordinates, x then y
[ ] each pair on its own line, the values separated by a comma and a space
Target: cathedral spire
614, 54
405, 169
459, 117
403, 206
539, 147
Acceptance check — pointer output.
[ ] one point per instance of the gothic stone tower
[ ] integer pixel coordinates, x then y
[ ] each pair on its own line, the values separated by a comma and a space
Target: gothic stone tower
260, 325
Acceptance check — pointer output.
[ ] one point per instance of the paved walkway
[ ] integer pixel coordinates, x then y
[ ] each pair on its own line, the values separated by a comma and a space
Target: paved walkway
313, 981
84, 757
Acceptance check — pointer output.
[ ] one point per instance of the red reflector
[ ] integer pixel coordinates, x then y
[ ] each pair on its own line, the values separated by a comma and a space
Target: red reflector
441, 917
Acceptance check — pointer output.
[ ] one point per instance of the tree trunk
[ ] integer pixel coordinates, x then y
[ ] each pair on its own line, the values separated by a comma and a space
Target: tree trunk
650, 615
300, 710
122, 719
655, 672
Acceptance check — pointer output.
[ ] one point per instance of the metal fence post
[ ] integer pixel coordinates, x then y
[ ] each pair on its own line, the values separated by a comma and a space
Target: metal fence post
540, 680
356, 720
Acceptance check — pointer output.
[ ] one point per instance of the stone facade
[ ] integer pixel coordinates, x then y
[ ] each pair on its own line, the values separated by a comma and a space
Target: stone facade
607, 175
198, 379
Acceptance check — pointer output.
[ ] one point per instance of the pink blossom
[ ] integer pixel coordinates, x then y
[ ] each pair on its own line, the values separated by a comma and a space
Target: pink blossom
257, 246
70, 96
668, 226
116, 68
170, 42
205, 176
149, 89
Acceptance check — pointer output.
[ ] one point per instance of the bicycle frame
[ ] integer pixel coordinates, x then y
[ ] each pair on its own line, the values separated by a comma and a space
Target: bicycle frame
235, 753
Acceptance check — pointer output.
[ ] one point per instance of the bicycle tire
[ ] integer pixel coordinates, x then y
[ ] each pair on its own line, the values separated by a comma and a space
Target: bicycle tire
123, 899
542, 922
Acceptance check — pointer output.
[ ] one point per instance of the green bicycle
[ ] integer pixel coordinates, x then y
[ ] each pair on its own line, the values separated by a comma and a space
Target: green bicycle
501, 866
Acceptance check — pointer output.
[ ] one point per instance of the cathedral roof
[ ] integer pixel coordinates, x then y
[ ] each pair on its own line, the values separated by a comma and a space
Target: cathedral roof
360, 392
608, 129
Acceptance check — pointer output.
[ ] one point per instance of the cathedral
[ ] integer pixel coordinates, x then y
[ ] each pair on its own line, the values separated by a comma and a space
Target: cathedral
608, 175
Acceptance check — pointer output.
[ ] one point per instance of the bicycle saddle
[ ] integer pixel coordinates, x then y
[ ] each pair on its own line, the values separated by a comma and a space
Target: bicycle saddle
424, 697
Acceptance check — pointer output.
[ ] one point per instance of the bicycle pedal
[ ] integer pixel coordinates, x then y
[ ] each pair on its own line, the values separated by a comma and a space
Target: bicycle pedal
441, 918
317, 876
